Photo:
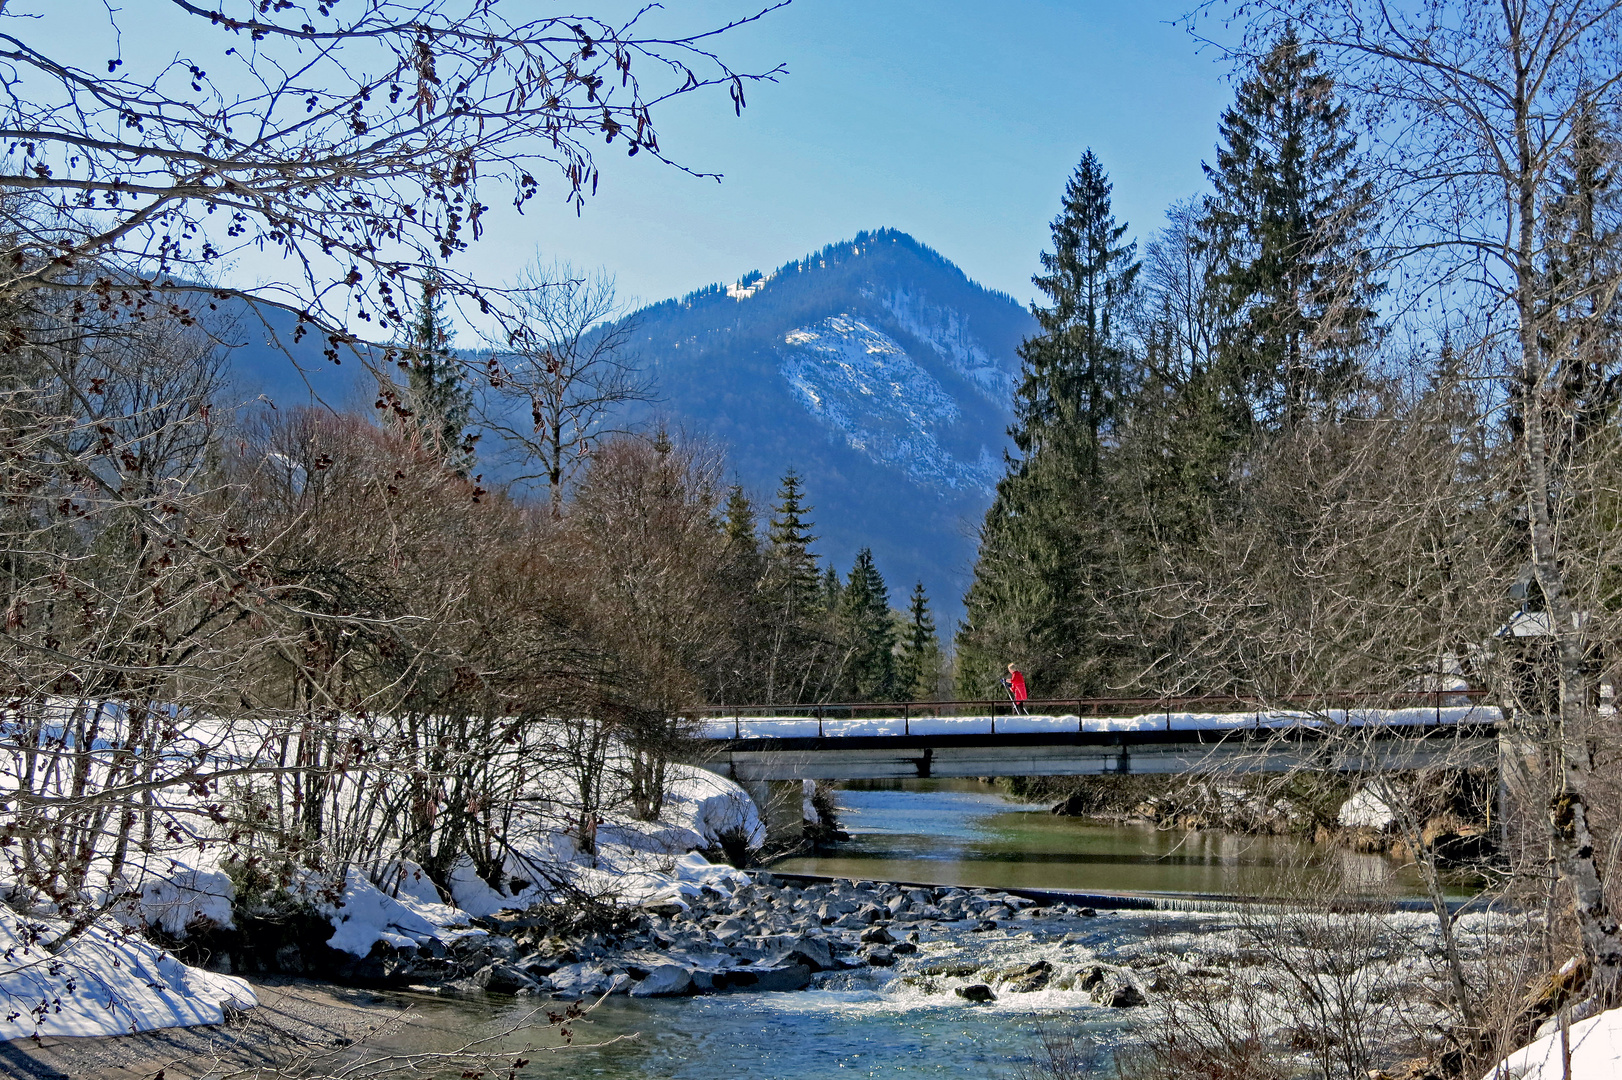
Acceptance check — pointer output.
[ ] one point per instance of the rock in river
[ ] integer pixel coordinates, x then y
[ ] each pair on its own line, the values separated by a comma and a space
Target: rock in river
666, 980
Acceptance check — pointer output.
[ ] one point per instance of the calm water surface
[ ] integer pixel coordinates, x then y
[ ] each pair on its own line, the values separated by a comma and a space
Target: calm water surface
880, 1023
962, 832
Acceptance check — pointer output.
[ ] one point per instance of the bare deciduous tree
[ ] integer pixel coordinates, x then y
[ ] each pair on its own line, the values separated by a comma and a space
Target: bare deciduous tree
1488, 140
566, 368
359, 142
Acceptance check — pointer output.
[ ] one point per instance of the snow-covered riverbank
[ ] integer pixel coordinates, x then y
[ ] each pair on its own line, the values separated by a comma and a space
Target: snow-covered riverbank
110, 978
689, 927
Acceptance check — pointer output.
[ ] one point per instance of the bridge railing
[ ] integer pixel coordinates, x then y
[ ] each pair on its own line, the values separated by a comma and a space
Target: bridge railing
1446, 706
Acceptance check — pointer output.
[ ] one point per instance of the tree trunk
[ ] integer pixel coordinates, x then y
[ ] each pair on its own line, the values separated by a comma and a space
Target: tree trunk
1568, 818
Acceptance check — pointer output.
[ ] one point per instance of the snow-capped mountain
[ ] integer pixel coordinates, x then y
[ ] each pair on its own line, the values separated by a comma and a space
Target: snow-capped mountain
876, 369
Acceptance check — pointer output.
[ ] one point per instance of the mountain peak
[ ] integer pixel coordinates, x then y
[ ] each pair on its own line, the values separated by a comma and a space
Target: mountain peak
874, 366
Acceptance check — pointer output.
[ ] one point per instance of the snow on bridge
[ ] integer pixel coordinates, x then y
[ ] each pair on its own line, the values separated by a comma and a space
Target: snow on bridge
922, 743
801, 727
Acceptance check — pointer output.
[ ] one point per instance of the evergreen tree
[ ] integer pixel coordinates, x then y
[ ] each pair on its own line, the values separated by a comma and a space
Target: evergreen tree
789, 537
832, 590
918, 668
441, 402
1284, 228
738, 521
1075, 370
743, 568
1042, 571
1582, 248
797, 661
867, 632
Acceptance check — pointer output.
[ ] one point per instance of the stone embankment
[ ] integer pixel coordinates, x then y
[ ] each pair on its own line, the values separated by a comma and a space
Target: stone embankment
771, 934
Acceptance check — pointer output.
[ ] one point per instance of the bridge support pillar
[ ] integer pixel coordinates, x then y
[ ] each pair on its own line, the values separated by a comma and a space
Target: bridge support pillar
780, 803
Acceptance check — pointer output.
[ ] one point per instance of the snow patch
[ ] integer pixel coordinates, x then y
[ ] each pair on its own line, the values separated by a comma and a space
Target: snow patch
185, 895
858, 381
103, 981
1365, 810
1596, 1053
945, 331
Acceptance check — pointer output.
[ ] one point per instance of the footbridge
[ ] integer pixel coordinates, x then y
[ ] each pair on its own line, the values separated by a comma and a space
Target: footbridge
1076, 737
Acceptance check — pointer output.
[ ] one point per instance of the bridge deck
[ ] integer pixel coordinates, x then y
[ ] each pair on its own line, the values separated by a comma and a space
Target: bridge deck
887, 748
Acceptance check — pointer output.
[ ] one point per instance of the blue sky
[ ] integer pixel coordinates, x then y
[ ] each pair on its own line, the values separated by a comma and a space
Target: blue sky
955, 121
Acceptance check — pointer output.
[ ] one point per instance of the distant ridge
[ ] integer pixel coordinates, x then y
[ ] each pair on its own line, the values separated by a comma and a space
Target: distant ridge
875, 367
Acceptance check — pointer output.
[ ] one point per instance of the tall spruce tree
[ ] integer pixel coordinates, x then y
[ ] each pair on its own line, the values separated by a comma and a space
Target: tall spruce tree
918, 667
1042, 570
1284, 229
792, 592
794, 568
867, 633
738, 521
440, 400
1076, 369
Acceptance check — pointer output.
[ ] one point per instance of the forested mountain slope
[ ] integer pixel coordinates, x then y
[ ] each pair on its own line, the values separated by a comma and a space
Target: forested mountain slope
875, 368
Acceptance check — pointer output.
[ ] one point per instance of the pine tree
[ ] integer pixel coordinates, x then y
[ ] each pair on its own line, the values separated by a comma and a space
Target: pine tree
797, 655
867, 632
1582, 247
918, 668
1042, 572
440, 401
832, 590
1284, 228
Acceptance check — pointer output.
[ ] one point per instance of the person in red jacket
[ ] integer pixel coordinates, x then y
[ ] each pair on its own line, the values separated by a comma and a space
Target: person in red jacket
1015, 684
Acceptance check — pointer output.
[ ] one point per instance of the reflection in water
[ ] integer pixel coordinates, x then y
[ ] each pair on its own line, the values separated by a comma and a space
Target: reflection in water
962, 832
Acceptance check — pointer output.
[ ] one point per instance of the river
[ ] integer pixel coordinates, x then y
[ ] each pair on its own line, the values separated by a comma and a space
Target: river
893, 1023
963, 832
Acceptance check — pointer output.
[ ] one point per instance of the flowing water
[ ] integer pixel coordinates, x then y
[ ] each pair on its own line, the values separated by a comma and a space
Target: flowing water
904, 1022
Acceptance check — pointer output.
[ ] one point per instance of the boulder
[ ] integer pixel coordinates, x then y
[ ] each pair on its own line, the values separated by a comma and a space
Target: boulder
1125, 997
976, 992
877, 935
878, 956
575, 981
665, 980
905, 948
813, 952
502, 978
780, 977
1027, 984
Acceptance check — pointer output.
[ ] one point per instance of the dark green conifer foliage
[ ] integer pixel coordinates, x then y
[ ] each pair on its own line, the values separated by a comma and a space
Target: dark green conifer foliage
867, 632
440, 399
1075, 370
832, 590
1043, 567
1582, 248
1285, 230
739, 524
918, 667
794, 568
